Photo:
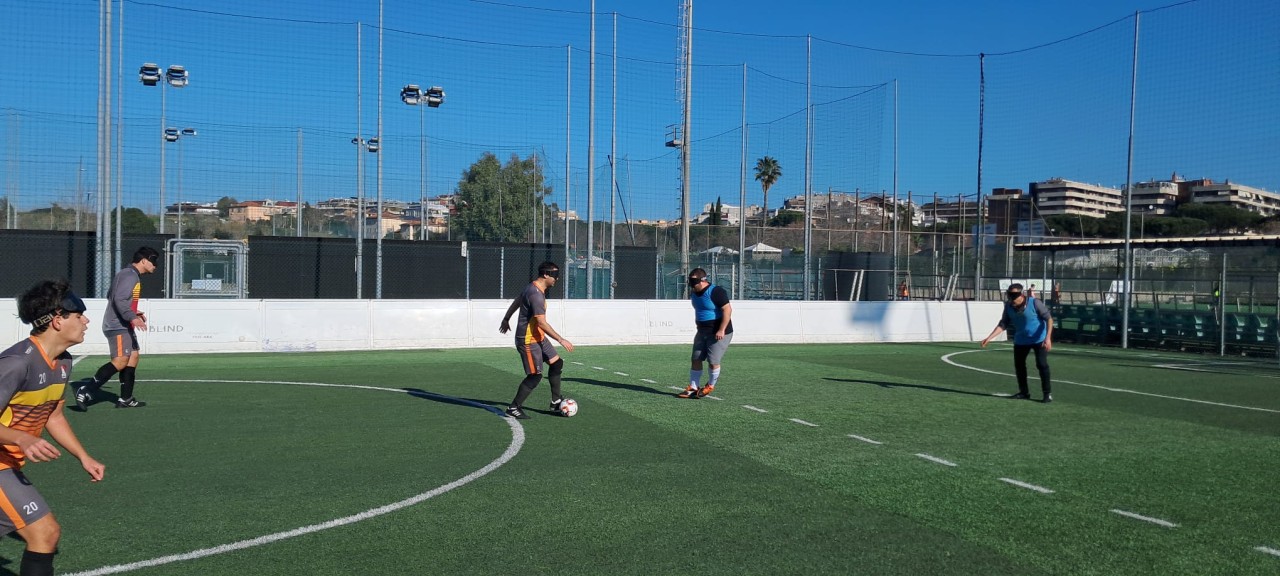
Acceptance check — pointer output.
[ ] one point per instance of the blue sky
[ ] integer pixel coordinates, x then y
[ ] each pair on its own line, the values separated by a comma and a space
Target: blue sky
1057, 99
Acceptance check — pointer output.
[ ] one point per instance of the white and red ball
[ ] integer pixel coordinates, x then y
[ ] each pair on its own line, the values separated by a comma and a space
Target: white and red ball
568, 407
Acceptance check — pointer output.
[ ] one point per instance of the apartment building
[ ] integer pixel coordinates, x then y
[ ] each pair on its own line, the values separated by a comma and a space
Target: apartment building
1248, 198
1057, 196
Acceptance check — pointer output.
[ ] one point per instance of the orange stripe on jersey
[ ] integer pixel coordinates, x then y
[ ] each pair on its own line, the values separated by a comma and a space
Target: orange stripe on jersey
12, 513
52, 363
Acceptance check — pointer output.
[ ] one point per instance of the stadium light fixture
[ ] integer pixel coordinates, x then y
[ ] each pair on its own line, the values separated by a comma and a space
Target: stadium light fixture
176, 76
433, 97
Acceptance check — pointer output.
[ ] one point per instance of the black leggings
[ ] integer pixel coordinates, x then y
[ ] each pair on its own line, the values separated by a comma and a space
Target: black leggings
1020, 352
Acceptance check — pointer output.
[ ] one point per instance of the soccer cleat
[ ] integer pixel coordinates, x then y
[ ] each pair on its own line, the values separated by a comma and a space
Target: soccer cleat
706, 390
689, 392
555, 405
1020, 396
129, 403
1047, 398
517, 413
83, 398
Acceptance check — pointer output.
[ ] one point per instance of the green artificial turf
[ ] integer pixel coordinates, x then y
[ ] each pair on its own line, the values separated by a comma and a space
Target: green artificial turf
643, 483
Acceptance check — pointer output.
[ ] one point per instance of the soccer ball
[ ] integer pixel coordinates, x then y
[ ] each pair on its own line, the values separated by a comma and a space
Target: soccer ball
568, 407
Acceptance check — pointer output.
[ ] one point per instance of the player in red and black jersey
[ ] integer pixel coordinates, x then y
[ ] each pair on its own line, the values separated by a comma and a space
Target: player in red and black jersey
33, 380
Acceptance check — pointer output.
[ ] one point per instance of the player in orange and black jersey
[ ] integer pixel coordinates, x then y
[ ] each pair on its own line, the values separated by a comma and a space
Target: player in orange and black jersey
33, 380
532, 330
120, 324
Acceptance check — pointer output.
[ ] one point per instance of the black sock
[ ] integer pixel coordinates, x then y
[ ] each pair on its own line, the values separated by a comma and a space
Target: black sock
553, 376
102, 376
126, 381
526, 388
36, 564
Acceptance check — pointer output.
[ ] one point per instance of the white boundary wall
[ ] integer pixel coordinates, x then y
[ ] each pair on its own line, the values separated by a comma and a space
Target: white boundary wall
200, 326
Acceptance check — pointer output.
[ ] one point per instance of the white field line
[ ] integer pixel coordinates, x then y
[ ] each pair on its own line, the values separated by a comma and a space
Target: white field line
864, 439
936, 459
1040, 489
1265, 550
676, 388
577, 362
1156, 521
648, 380
799, 421
948, 360
754, 409
517, 440
597, 368
622, 373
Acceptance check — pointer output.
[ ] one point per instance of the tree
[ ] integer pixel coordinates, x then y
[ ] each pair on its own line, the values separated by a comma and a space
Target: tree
1220, 219
134, 221
499, 202
786, 218
768, 171
224, 205
715, 219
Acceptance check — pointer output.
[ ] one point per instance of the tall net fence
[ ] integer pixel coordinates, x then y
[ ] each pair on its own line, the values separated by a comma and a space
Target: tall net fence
294, 122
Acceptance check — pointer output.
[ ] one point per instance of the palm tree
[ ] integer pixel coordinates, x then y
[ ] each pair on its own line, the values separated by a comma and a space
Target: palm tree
768, 171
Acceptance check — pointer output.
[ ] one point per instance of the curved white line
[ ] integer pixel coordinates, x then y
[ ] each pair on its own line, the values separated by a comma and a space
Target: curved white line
517, 441
948, 360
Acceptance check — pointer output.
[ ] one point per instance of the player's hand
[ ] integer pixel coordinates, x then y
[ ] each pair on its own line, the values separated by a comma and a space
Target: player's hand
720, 335
143, 316
38, 449
504, 327
568, 346
139, 323
984, 342
94, 468
1048, 345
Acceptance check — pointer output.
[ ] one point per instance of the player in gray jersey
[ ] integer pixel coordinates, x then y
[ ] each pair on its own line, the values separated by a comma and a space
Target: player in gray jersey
120, 325
33, 381
532, 332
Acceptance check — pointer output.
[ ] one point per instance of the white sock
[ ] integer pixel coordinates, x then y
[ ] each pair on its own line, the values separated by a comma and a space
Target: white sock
695, 378
715, 377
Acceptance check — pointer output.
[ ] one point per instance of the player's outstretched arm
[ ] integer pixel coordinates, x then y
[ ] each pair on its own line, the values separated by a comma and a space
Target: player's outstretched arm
61, 432
505, 325
546, 327
996, 332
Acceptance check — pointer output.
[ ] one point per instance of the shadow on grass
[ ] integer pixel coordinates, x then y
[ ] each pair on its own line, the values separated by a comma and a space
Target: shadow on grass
497, 407
493, 406
917, 386
8, 567
618, 386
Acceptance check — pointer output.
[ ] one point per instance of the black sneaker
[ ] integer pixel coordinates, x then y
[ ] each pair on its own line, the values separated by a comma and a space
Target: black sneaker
129, 403
1047, 398
83, 398
555, 405
1020, 396
517, 413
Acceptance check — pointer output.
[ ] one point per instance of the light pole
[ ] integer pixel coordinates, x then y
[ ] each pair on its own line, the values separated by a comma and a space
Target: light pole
175, 135
1142, 222
433, 97
176, 76
372, 146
